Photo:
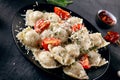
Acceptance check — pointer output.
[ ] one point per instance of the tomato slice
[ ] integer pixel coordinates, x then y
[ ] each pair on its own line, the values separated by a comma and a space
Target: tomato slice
77, 27
61, 13
52, 41
112, 36
41, 25
85, 62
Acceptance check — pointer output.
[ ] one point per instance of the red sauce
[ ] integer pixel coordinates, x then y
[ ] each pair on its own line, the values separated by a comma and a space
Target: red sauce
106, 18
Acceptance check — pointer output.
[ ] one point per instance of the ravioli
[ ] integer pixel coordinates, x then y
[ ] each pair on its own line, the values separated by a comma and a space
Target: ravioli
46, 34
81, 37
73, 50
60, 54
76, 70
52, 17
28, 37
97, 40
47, 61
60, 33
96, 59
74, 20
32, 17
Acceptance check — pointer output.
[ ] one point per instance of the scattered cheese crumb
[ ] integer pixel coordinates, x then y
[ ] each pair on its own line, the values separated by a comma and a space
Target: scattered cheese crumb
13, 63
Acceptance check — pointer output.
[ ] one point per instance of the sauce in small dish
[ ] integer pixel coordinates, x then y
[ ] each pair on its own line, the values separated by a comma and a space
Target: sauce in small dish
106, 19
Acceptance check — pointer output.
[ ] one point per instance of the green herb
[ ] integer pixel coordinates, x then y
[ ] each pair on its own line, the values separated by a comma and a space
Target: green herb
83, 51
62, 3
93, 48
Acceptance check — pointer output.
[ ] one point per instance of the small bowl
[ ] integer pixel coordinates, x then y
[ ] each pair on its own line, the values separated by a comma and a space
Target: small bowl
105, 19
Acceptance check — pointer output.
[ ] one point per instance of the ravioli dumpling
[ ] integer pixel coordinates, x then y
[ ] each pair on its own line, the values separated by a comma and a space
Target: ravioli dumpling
61, 55
81, 37
35, 52
74, 20
32, 17
60, 33
75, 70
52, 17
96, 59
97, 40
47, 61
65, 25
73, 50
28, 37
46, 33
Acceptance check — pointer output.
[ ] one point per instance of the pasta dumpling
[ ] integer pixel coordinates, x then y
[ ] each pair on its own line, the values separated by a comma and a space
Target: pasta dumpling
32, 17
74, 20
81, 37
73, 50
96, 59
97, 40
35, 52
52, 17
47, 61
45, 34
60, 33
75, 70
28, 37
61, 55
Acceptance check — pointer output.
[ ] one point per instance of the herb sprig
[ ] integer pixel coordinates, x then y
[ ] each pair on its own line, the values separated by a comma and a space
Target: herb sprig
62, 3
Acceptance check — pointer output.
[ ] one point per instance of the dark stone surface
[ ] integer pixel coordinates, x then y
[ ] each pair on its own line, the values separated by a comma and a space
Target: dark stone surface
13, 66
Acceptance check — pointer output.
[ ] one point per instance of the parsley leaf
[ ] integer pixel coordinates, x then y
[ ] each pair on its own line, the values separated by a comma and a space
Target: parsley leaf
62, 3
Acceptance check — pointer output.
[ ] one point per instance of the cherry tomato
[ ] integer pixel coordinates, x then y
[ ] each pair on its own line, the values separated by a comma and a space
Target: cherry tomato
52, 41
85, 62
61, 13
77, 27
112, 36
41, 25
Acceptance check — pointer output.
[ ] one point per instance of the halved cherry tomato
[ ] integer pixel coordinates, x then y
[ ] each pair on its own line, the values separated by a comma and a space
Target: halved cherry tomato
77, 27
52, 41
61, 13
41, 25
112, 36
85, 62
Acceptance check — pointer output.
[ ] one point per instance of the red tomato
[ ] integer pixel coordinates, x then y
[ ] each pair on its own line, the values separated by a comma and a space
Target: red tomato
77, 27
41, 25
52, 41
112, 36
61, 13
85, 62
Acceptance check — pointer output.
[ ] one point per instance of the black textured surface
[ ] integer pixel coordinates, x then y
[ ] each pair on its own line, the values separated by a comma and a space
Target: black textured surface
13, 66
